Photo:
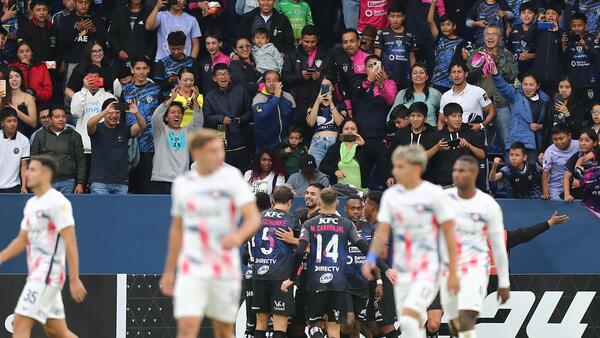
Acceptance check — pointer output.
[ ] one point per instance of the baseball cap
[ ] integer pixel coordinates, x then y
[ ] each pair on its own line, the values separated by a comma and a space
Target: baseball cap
308, 164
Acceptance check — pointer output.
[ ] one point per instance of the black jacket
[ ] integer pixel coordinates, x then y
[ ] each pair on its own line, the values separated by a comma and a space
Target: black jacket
43, 40
575, 122
329, 164
72, 42
280, 34
295, 62
137, 41
548, 64
67, 150
245, 75
344, 72
234, 103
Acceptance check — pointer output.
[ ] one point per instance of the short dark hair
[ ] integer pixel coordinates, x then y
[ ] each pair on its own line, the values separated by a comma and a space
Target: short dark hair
328, 196
92, 69
399, 112
296, 129
458, 63
396, 7
351, 30
317, 185
260, 31
53, 109
374, 196
34, 3
270, 72
48, 162
176, 38
419, 108
213, 33
218, 67
554, 6
448, 17
527, 6
263, 200
135, 60
353, 197
7, 112
123, 72
579, 16
533, 76
518, 145
560, 128
283, 194
452, 108
310, 30
108, 102
470, 159
591, 133
372, 57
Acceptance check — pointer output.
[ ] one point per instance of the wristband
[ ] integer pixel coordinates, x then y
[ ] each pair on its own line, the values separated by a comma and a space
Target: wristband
372, 258
379, 282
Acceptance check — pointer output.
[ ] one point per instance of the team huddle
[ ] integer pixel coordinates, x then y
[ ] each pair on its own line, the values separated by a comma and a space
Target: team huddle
407, 255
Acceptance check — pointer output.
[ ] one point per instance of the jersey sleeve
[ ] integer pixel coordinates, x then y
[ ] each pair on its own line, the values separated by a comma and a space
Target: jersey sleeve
385, 213
443, 208
484, 99
571, 162
496, 219
176, 203
242, 194
353, 235
63, 215
505, 171
378, 40
548, 163
305, 232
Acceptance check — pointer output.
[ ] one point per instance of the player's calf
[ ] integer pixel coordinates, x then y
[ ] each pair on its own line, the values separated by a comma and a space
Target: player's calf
22, 326
57, 328
188, 327
467, 320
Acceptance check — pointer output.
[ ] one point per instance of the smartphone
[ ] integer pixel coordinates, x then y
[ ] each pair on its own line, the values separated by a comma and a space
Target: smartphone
557, 98
376, 64
12, 3
573, 37
543, 25
50, 64
324, 89
3, 87
310, 70
122, 106
454, 143
347, 138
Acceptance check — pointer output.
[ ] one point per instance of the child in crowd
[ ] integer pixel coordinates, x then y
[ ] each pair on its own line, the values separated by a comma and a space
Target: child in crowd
521, 40
548, 64
298, 12
213, 44
486, 12
265, 54
555, 158
167, 68
523, 177
588, 141
596, 117
396, 47
292, 150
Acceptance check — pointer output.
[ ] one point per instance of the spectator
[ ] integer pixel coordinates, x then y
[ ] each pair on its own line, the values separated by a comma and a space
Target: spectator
213, 44
548, 64
473, 100
266, 172
371, 102
40, 33
419, 90
124, 78
64, 145
507, 67
69, 7
21, 101
14, 154
173, 20
416, 23
516, 7
94, 54
44, 117
185, 95
371, 13
36, 77
485, 13
307, 176
86, 104
582, 52
277, 24
147, 96
127, 35
555, 158
265, 54
595, 123
9, 18
171, 157
292, 149
520, 173
367, 39
227, 109
567, 108
298, 13
325, 117
448, 48
110, 157
588, 142
3, 62
242, 66
273, 112
398, 118
455, 140
303, 70
586, 172
209, 14
527, 113
167, 68
591, 9
396, 47
76, 31
522, 38
343, 162
349, 65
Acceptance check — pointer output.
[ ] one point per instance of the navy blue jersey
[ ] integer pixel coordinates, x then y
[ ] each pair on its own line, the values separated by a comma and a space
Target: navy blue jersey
249, 251
356, 258
395, 54
446, 50
524, 183
591, 9
521, 41
148, 97
583, 62
482, 11
272, 256
328, 236
168, 66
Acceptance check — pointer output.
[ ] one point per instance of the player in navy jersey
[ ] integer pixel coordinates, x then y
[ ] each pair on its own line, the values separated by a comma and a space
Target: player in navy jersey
272, 261
328, 236
522, 37
523, 177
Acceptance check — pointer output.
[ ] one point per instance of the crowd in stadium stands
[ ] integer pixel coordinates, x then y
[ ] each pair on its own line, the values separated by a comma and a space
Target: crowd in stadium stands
302, 91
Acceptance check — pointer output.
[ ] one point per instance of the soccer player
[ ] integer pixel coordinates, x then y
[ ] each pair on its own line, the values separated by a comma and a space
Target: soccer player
415, 210
329, 236
204, 237
48, 234
272, 261
478, 220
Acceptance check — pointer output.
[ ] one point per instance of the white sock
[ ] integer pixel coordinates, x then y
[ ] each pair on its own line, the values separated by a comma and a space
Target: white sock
467, 334
409, 327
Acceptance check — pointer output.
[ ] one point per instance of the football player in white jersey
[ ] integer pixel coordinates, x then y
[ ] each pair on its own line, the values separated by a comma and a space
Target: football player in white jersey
414, 211
48, 234
204, 237
478, 222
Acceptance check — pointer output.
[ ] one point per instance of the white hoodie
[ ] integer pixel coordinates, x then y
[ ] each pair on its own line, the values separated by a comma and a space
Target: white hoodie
85, 105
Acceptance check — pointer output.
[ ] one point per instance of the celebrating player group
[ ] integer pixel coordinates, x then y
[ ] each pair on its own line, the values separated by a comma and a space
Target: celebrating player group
405, 256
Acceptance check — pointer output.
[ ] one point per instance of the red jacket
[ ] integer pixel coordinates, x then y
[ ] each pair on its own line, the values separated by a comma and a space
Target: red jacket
37, 78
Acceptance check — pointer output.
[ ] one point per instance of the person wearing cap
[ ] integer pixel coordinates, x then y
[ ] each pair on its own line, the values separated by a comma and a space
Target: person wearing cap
307, 175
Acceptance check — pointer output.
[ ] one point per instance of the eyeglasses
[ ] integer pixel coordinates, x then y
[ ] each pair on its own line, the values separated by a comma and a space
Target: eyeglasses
221, 75
97, 51
596, 111
491, 34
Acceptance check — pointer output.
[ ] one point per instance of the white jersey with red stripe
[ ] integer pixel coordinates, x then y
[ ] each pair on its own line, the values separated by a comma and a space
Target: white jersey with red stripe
44, 217
210, 210
414, 216
478, 219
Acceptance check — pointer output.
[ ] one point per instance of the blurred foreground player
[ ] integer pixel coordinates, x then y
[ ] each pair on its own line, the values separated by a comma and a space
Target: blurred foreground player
204, 237
48, 233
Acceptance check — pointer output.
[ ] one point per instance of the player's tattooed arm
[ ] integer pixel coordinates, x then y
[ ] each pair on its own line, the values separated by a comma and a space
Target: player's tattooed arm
15, 247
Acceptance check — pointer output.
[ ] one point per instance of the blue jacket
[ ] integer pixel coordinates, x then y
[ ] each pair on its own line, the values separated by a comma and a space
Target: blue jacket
272, 117
520, 115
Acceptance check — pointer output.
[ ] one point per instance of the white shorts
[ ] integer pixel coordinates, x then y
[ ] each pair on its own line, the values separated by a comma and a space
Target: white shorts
416, 295
40, 302
473, 289
215, 299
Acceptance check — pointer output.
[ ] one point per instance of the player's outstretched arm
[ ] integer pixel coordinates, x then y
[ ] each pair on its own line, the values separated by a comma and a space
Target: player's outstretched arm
250, 225
175, 240
15, 247
76, 287
448, 229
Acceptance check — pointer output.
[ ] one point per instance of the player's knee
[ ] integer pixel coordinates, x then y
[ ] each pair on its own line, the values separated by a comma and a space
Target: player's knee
409, 327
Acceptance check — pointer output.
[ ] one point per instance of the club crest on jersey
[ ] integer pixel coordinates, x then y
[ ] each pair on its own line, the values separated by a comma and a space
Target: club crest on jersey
318, 63
206, 67
42, 214
16, 151
326, 278
420, 207
579, 49
345, 68
262, 270
476, 217
149, 99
